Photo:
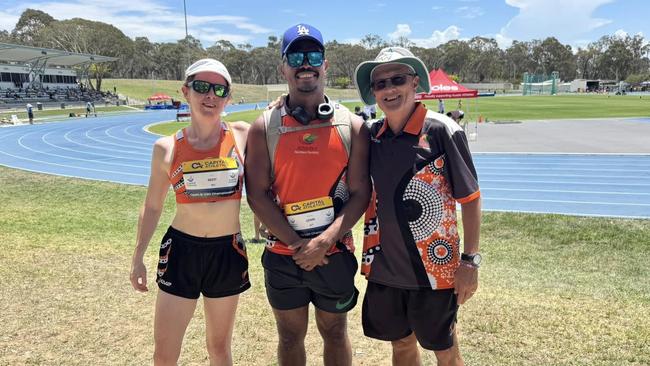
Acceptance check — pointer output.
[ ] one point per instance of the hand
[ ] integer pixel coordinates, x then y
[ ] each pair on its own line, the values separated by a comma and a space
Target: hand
465, 282
310, 253
139, 276
277, 103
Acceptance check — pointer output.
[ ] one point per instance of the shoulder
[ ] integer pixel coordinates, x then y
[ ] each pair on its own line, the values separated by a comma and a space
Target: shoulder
165, 143
240, 127
374, 126
358, 124
439, 122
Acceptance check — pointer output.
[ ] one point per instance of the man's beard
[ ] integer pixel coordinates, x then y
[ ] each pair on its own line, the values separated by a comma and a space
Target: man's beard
307, 89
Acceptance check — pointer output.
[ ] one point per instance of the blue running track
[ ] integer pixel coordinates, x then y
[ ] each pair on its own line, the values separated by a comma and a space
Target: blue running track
118, 149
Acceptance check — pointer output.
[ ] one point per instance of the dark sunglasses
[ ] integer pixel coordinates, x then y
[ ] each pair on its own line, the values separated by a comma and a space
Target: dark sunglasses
203, 87
395, 80
297, 59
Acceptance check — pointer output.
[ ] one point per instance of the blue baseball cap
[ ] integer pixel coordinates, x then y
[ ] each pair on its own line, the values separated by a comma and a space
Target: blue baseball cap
298, 32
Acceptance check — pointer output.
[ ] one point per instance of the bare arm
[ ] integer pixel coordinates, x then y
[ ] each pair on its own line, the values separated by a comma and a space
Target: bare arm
258, 185
151, 210
466, 279
240, 132
358, 178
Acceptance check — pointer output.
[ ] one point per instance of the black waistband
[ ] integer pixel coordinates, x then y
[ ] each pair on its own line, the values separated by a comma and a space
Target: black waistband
226, 239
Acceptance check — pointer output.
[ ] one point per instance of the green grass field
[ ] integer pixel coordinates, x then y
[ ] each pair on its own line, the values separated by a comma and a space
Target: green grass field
505, 109
554, 290
52, 113
142, 89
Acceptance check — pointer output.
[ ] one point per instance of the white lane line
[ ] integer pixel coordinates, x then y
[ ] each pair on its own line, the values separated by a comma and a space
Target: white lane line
106, 142
20, 142
560, 168
107, 132
66, 166
44, 137
561, 160
568, 213
561, 201
563, 191
514, 174
645, 185
147, 135
66, 136
590, 166
555, 153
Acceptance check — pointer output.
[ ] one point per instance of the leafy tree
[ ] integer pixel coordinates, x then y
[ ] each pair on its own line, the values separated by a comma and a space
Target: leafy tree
455, 57
485, 60
30, 23
373, 42
344, 58
550, 55
5, 37
518, 60
587, 62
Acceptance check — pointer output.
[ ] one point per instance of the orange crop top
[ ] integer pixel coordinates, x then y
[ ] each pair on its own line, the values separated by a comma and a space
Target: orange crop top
310, 182
207, 175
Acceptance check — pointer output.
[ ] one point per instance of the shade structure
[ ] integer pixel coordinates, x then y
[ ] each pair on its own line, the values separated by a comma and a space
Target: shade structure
442, 87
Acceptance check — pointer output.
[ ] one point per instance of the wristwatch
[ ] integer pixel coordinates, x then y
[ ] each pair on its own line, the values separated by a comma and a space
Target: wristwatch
472, 259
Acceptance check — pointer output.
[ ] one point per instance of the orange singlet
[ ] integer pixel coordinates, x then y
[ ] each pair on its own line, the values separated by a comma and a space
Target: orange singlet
310, 182
206, 175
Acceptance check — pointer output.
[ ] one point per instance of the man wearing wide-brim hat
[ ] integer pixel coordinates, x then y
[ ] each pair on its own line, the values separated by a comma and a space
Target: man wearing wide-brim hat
421, 167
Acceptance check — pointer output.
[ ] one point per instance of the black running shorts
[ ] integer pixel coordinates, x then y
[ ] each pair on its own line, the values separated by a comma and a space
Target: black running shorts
190, 265
391, 313
330, 287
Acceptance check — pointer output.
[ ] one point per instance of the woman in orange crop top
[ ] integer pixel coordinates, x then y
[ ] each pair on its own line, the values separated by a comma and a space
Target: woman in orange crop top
202, 251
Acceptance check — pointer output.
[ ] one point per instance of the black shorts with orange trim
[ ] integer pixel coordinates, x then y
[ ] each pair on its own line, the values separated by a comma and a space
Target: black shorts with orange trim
330, 287
190, 265
391, 313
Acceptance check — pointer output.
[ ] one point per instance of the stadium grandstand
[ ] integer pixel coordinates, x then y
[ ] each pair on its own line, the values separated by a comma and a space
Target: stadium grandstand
46, 77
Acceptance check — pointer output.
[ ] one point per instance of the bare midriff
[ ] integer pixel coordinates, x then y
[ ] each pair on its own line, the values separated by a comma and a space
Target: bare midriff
208, 219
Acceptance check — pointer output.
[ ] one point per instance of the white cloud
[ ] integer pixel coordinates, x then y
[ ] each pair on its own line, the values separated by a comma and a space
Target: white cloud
147, 18
403, 30
8, 20
620, 33
469, 12
434, 8
563, 19
503, 41
438, 37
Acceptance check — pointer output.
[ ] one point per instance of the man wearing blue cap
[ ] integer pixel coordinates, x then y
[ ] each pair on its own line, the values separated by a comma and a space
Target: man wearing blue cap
307, 180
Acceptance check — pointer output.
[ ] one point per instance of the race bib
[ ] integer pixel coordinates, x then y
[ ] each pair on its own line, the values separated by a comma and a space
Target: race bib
211, 177
311, 217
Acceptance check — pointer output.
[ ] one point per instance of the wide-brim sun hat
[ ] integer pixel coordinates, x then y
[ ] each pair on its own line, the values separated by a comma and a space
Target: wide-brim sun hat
389, 55
208, 65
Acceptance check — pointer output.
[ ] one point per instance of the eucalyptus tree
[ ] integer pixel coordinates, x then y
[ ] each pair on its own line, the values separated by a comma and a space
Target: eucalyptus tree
89, 37
29, 25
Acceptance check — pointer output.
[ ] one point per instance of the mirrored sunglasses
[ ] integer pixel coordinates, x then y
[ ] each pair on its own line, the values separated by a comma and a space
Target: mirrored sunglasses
297, 59
203, 87
395, 80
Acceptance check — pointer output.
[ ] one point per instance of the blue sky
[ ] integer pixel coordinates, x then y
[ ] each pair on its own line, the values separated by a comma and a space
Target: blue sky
427, 23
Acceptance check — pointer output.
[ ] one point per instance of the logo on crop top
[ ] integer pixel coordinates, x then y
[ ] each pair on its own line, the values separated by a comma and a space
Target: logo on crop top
308, 138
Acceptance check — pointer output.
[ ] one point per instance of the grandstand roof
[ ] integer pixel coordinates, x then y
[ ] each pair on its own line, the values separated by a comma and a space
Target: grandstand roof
27, 54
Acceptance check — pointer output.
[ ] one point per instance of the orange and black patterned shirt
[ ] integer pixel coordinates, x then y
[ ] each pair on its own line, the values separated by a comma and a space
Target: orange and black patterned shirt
411, 237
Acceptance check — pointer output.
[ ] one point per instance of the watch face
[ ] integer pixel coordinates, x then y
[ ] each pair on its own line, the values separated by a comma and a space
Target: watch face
476, 259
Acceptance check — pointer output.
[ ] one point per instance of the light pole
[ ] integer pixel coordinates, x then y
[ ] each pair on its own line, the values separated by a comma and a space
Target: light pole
186, 35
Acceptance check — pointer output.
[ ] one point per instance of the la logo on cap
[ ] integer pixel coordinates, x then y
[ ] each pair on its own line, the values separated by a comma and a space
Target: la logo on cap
302, 30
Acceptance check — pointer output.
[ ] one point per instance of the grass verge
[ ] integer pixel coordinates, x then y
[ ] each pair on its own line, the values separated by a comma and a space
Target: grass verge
555, 290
